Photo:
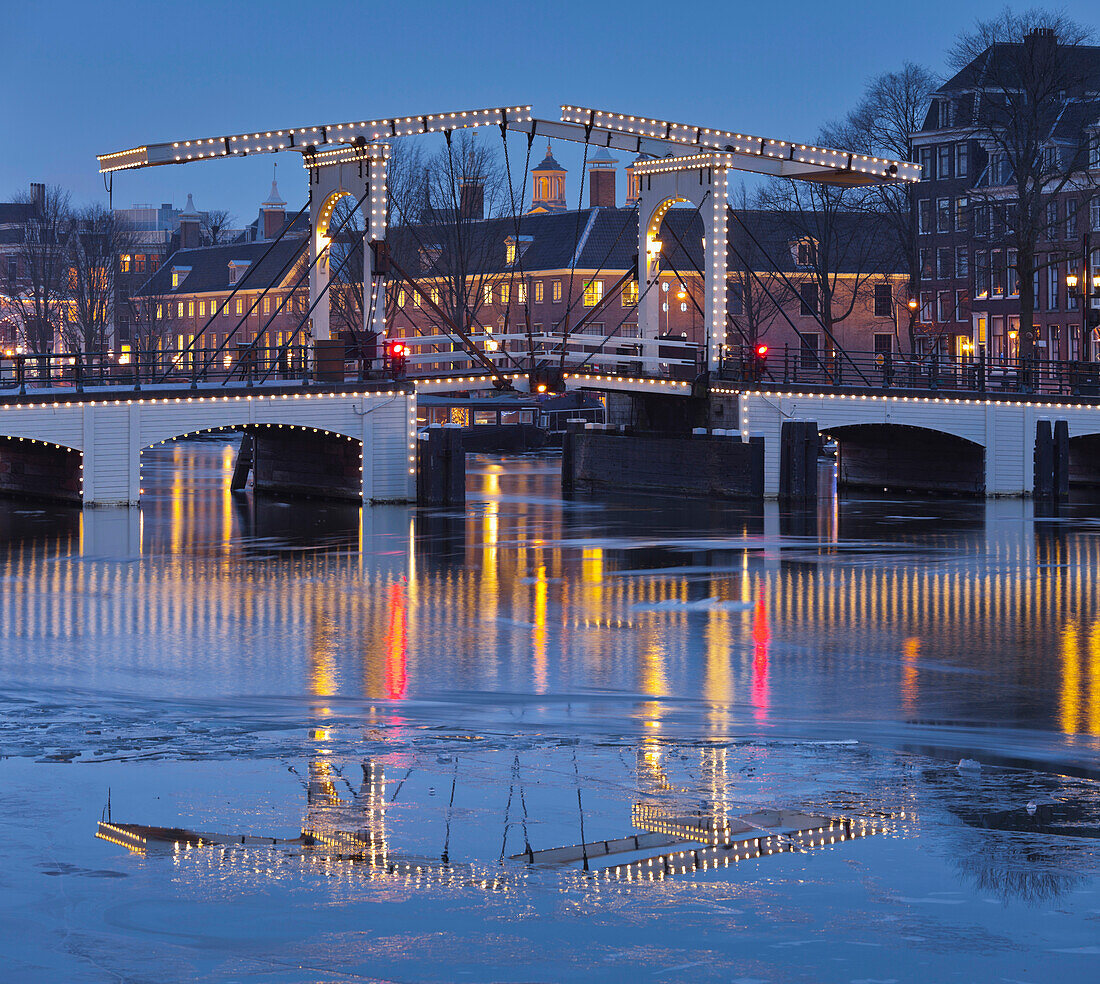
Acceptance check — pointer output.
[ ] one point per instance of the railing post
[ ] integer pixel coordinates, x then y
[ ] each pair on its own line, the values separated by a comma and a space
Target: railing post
786, 363
78, 372
933, 372
981, 372
887, 369
21, 373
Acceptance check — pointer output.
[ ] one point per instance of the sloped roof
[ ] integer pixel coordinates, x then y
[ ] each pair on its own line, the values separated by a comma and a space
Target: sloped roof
210, 267
607, 239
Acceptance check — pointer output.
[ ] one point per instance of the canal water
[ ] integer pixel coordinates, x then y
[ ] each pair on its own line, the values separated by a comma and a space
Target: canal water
899, 699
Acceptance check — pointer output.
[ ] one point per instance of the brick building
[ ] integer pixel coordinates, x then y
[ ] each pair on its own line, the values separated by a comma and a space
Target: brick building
969, 289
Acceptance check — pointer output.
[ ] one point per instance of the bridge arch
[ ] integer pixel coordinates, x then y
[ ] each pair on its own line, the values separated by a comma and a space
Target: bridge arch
290, 459
904, 457
41, 469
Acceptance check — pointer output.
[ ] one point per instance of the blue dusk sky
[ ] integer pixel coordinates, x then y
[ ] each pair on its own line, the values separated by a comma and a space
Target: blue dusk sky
84, 78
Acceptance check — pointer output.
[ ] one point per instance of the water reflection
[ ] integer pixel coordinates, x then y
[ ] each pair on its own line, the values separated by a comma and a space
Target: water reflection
918, 613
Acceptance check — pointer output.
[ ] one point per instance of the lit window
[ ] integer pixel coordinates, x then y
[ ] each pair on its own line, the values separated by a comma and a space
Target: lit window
538, 291
190, 309
202, 309
267, 305
521, 292
179, 310
505, 293
487, 294
435, 295
124, 263
556, 291
401, 298
175, 278
593, 293
630, 294
240, 306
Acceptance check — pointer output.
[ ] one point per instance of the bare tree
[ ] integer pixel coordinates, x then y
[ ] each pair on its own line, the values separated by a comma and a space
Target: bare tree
215, 226
757, 290
893, 107
838, 247
445, 245
151, 325
98, 240
42, 293
1027, 76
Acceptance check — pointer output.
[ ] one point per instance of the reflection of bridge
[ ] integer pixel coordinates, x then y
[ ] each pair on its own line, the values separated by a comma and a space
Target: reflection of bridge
348, 826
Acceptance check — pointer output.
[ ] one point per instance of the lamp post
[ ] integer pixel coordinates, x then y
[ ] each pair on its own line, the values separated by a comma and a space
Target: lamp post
1086, 286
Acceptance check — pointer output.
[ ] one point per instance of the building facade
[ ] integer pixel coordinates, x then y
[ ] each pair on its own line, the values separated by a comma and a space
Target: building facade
969, 290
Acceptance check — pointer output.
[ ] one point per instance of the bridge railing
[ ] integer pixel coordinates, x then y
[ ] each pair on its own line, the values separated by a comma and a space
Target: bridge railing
249, 365
245, 365
930, 373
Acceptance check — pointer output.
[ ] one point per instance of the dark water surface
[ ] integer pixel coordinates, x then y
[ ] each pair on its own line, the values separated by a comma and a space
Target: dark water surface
439, 696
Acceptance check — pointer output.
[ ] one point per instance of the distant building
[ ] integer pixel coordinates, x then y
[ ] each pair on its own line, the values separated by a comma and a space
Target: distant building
969, 290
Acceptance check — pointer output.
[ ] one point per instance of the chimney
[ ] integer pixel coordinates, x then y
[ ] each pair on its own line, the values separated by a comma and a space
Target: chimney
471, 201
1040, 44
38, 194
190, 226
274, 210
633, 194
601, 180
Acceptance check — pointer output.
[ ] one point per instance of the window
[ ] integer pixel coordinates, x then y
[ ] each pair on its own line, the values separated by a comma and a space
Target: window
1071, 218
945, 219
924, 216
960, 215
808, 348
175, 278
945, 306
487, 294
521, 292
124, 263
884, 343
505, 293
1054, 284
401, 298
926, 308
803, 251
943, 161
240, 305
1094, 214
997, 272
1094, 152
202, 309
434, 294
962, 268
943, 113
979, 225
179, 310
962, 160
538, 291
13, 268
509, 251
926, 264
808, 293
139, 263
225, 308
926, 164
962, 305
945, 262
736, 304
1052, 220
1013, 275
267, 305
981, 274
882, 301
555, 291
593, 293
630, 294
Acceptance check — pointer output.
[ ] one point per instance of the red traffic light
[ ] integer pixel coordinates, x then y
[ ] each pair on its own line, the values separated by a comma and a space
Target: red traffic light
761, 351
398, 350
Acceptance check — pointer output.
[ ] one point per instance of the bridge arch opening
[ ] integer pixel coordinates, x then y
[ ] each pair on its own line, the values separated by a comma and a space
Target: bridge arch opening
903, 458
1084, 461
285, 460
35, 469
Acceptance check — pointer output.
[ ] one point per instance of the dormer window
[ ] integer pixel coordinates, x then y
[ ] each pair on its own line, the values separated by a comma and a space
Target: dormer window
237, 269
179, 275
515, 247
943, 111
804, 251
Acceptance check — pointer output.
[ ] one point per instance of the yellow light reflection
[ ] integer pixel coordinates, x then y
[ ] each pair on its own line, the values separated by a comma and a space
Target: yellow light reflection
910, 654
1070, 701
